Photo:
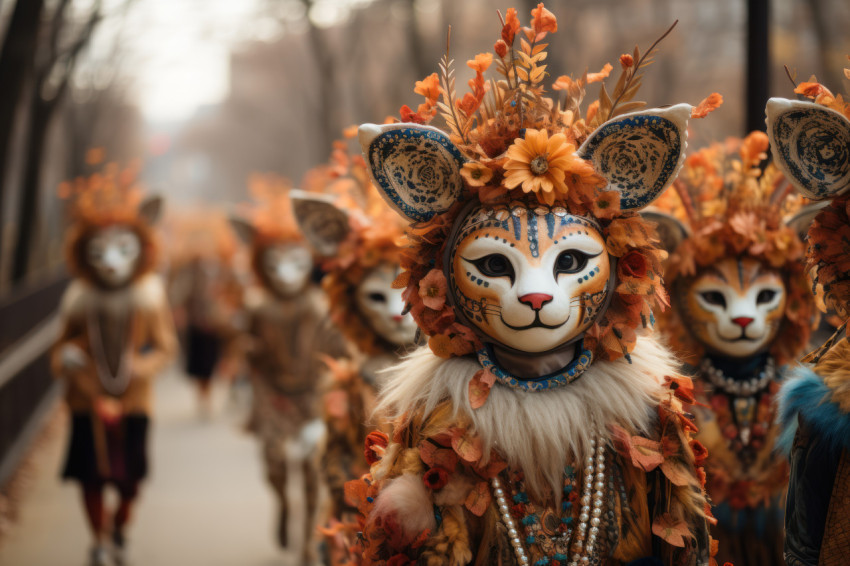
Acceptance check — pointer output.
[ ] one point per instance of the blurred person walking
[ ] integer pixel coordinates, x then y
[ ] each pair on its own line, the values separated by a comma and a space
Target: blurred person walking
116, 336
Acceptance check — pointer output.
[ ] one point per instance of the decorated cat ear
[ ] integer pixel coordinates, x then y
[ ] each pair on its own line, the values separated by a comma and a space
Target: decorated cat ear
324, 225
801, 221
416, 168
671, 231
245, 231
151, 209
811, 145
640, 154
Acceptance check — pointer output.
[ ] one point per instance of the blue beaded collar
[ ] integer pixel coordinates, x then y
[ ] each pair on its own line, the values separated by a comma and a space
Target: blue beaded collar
560, 378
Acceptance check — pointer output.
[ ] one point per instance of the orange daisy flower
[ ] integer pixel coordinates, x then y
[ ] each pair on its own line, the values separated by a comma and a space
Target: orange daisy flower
476, 175
539, 164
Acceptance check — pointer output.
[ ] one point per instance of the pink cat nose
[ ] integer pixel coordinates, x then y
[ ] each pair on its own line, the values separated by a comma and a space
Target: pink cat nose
398, 318
742, 321
536, 300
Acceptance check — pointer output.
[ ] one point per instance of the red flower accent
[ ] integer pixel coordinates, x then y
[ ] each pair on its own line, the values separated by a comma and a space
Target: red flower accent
376, 442
435, 478
700, 452
633, 264
501, 48
626, 60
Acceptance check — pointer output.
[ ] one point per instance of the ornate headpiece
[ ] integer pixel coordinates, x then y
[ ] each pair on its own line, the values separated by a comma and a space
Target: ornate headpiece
726, 205
516, 156
810, 142
109, 197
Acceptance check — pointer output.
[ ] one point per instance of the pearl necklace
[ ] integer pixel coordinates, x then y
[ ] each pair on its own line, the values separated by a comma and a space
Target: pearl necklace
738, 387
592, 503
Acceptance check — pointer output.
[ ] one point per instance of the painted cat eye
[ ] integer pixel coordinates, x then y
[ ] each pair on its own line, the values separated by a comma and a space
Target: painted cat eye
494, 265
377, 297
714, 298
570, 261
765, 296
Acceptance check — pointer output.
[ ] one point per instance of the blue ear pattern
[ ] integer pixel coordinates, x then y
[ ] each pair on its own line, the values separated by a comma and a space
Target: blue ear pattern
640, 154
416, 168
811, 145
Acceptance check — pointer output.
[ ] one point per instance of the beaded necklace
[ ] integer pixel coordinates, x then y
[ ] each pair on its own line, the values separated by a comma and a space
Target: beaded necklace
556, 535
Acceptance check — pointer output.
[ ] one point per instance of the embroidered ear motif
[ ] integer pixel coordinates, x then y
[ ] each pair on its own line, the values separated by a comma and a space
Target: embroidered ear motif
324, 225
640, 153
416, 168
671, 231
151, 209
811, 145
801, 221
244, 229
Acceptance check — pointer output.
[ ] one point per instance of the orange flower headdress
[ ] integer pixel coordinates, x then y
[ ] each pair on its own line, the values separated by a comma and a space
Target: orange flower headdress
810, 141
109, 197
354, 231
730, 207
510, 147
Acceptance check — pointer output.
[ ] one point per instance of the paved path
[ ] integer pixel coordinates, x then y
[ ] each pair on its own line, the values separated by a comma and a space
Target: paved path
205, 504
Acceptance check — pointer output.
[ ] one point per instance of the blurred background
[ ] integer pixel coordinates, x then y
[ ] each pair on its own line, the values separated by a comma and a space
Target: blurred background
206, 93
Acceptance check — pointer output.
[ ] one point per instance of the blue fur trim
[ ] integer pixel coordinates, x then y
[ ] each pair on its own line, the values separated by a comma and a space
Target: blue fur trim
805, 393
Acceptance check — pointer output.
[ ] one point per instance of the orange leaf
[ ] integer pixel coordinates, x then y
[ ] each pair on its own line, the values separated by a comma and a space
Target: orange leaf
676, 472
479, 387
602, 74
645, 453
671, 530
436, 456
478, 499
708, 105
467, 447
402, 281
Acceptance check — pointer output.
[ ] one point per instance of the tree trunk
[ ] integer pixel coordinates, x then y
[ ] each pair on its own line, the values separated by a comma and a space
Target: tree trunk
28, 217
17, 61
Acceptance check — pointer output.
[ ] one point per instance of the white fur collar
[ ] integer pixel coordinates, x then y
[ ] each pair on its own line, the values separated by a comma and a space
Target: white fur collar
148, 293
547, 429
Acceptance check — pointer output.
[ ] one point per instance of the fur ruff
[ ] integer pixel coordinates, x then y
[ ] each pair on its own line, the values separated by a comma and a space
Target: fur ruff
548, 429
145, 294
806, 394
406, 499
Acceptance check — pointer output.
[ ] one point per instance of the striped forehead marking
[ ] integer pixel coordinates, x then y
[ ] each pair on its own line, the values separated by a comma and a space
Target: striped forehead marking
531, 233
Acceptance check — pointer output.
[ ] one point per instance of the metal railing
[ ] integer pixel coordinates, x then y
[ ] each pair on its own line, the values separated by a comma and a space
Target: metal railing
28, 392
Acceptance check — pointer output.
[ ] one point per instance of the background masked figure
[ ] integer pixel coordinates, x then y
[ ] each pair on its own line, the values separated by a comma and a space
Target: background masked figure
368, 310
117, 335
811, 143
287, 331
741, 310
545, 425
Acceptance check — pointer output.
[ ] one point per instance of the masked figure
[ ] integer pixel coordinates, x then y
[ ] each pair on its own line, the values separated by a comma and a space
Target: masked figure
369, 311
741, 310
544, 424
116, 336
810, 142
287, 331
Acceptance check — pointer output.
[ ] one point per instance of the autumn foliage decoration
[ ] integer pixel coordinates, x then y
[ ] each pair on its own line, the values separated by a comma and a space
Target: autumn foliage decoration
373, 240
735, 208
520, 146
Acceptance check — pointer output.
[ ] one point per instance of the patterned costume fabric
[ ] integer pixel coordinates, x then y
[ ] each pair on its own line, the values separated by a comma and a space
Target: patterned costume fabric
741, 311
809, 141
544, 424
361, 260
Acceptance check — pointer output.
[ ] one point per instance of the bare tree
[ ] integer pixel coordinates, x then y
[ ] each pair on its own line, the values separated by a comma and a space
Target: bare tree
54, 69
17, 60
